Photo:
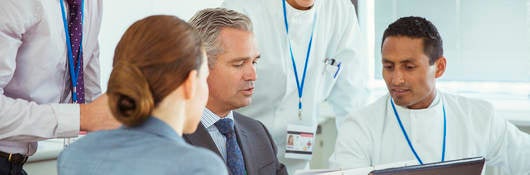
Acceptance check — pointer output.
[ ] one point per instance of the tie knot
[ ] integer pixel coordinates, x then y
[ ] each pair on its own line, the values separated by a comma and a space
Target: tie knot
74, 2
225, 126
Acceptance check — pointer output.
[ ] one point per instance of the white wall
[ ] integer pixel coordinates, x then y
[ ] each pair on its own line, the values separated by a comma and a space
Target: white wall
118, 15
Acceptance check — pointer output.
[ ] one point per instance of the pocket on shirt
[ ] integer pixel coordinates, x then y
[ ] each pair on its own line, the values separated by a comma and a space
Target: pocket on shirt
330, 75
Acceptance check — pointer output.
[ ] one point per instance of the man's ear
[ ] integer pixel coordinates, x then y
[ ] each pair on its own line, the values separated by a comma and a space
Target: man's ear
440, 65
190, 85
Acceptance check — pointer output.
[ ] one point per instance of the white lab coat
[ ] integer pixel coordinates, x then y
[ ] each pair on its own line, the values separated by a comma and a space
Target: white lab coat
372, 136
337, 35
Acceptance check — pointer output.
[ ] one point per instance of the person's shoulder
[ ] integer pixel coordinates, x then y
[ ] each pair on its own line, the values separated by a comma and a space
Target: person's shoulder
196, 160
472, 110
184, 150
91, 139
370, 115
89, 145
244, 118
103, 139
248, 122
378, 105
107, 139
468, 103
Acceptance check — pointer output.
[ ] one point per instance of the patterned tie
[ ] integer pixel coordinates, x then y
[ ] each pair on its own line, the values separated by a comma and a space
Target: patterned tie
234, 157
75, 28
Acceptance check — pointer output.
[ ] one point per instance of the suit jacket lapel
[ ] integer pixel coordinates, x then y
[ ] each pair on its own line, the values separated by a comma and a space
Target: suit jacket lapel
202, 138
245, 143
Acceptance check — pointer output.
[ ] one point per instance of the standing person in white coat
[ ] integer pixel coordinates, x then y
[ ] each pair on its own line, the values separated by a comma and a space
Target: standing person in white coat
415, 121
35, 76
311, 52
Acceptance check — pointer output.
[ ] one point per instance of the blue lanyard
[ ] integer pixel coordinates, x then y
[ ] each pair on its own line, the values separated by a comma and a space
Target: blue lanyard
299, 85
407, 137
74, 70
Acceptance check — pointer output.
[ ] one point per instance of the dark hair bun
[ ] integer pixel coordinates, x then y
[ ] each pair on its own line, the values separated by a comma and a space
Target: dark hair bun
131, 102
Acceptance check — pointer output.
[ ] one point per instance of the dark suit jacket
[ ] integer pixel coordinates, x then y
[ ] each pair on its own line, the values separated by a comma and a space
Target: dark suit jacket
259, 151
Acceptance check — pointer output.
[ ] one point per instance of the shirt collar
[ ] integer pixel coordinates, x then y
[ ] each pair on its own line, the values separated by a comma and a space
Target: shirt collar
293, 12
209, 118
435, 104
436, 100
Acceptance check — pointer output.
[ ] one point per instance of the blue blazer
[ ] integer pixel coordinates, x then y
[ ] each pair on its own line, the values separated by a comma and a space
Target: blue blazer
151, 148
259, 150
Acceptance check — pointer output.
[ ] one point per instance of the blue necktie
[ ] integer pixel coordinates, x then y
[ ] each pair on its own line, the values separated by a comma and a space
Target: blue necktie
234, 157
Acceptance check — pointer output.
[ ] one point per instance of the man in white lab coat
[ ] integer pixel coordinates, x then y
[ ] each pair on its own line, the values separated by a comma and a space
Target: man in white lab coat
290, 33
415, 121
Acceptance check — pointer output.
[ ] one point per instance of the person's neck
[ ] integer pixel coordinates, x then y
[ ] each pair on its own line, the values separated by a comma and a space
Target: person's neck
293, 4
217, 110
171, 114
425, 103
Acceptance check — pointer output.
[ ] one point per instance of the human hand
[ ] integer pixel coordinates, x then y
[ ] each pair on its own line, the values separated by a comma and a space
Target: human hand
97, 116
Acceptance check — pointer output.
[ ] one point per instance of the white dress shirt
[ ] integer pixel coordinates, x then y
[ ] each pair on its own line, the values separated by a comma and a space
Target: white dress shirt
336, 35
34, 77
208, 120
372, 136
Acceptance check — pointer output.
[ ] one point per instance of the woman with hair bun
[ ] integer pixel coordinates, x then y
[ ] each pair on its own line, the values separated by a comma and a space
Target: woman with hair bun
157, 90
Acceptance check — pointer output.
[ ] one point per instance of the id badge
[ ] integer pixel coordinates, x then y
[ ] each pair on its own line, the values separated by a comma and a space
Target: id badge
299, 141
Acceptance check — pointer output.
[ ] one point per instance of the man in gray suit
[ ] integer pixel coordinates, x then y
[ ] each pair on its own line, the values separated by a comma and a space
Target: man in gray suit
244, 143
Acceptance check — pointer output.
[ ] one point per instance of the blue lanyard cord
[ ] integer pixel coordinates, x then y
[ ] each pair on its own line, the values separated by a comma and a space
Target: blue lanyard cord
299, 85
407, 137
445, 132
74, 71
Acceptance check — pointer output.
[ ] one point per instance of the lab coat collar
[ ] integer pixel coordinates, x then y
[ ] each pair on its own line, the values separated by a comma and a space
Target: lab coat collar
434, 108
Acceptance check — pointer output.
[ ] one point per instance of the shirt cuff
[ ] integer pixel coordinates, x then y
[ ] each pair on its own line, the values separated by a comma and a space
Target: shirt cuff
68, 120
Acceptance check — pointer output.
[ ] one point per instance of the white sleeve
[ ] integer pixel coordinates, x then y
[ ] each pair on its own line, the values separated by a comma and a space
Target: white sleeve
353, 145
350, 91
23, 120
508, 147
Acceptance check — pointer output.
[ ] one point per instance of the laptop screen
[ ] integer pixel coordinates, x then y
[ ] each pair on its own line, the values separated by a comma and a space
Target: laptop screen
467, 166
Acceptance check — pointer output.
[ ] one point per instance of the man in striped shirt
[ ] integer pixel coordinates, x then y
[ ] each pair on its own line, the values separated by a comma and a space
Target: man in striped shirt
244, 143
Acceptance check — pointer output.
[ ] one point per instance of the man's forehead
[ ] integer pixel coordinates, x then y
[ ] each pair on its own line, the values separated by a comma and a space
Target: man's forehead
402, 49
402, 41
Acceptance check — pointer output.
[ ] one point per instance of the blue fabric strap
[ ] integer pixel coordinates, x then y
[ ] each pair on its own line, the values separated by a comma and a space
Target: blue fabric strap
73, 27
407, 136
299, 85
234, 157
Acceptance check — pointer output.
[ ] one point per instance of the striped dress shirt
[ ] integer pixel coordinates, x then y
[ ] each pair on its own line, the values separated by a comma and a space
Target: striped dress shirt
208, 120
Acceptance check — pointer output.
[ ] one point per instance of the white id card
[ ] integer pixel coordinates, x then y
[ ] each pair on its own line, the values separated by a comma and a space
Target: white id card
299, 141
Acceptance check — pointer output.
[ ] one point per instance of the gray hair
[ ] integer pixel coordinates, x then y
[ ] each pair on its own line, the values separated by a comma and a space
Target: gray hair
209, 22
